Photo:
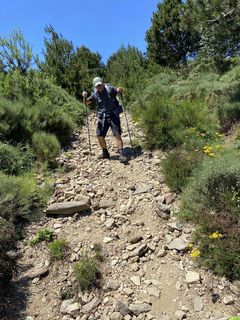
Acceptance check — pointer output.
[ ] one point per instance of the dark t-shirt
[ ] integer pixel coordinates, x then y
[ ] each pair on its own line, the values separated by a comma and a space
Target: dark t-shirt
106, 100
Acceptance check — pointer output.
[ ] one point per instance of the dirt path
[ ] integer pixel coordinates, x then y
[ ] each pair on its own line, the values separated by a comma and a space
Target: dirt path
147, 272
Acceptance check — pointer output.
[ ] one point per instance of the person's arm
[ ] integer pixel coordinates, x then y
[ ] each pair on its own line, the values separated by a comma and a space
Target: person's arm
120, 90
116, 91
87, 100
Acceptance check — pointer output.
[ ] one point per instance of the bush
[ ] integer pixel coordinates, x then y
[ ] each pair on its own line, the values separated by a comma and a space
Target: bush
18, 120
42, 235
213, 247
44, 107
46, 147
178, 167
55, 120
228, 113
212, 201
20, 198
166, 122
58, 249
86, 272
20, 201
14, 160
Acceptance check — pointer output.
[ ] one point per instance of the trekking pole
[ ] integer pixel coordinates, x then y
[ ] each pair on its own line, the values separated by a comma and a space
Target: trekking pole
128, 129
88, 129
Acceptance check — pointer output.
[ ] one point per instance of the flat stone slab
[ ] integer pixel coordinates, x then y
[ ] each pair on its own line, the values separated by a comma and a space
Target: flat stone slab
69, 207
192, 277
144, 189
87, 308
178, 244
138, 308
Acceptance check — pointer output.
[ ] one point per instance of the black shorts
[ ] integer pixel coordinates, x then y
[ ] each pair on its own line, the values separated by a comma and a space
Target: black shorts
106, 121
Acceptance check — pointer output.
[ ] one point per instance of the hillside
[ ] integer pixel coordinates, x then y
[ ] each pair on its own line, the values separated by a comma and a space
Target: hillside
146, 268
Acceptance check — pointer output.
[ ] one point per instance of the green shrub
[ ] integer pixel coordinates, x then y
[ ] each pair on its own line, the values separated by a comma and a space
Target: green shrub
46, 147
86, 272
20, 201
20, 197
42, 235
178, 167
166, 122
215, 186
44, 107
18, 120
158, 123
213, 252
228, 113
212, 201
55, 120
14, 160
58, 249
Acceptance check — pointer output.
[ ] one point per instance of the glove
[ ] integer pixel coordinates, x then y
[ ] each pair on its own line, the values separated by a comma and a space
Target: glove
84, 94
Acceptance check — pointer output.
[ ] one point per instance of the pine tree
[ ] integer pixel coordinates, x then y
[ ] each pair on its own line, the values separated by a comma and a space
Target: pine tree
172, 39
16, 53
219, 23
72, 69
57, 54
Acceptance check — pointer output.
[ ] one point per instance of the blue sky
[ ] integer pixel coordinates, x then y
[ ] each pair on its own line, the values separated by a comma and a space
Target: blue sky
102, 26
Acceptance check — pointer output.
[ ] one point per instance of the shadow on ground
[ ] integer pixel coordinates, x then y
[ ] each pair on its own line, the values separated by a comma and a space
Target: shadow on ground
130, 153
13, 297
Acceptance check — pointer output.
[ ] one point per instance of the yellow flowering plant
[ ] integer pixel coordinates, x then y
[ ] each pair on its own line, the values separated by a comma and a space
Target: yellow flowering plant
195, 253
215, 235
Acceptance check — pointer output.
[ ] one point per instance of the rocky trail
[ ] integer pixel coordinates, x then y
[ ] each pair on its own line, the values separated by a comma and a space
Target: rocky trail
147, 272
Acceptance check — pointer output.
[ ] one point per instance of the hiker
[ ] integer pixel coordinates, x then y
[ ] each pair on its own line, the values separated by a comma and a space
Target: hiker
108, 110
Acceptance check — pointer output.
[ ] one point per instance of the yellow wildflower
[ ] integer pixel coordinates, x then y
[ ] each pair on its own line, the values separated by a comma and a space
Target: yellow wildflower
218, 134
195, 253
215, 235
190, 245
211, 154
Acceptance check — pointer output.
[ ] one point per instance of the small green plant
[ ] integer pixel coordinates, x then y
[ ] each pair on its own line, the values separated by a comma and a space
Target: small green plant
86, 272
58, 248
234, 318
66, 293
98, 250
42, 235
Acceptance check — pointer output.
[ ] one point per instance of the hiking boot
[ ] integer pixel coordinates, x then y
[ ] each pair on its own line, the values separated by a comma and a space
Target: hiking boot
105, 154
122, 158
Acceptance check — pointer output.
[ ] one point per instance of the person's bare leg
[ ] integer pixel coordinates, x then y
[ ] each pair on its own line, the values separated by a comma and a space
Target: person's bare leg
103, 145
119, 144
102, 142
